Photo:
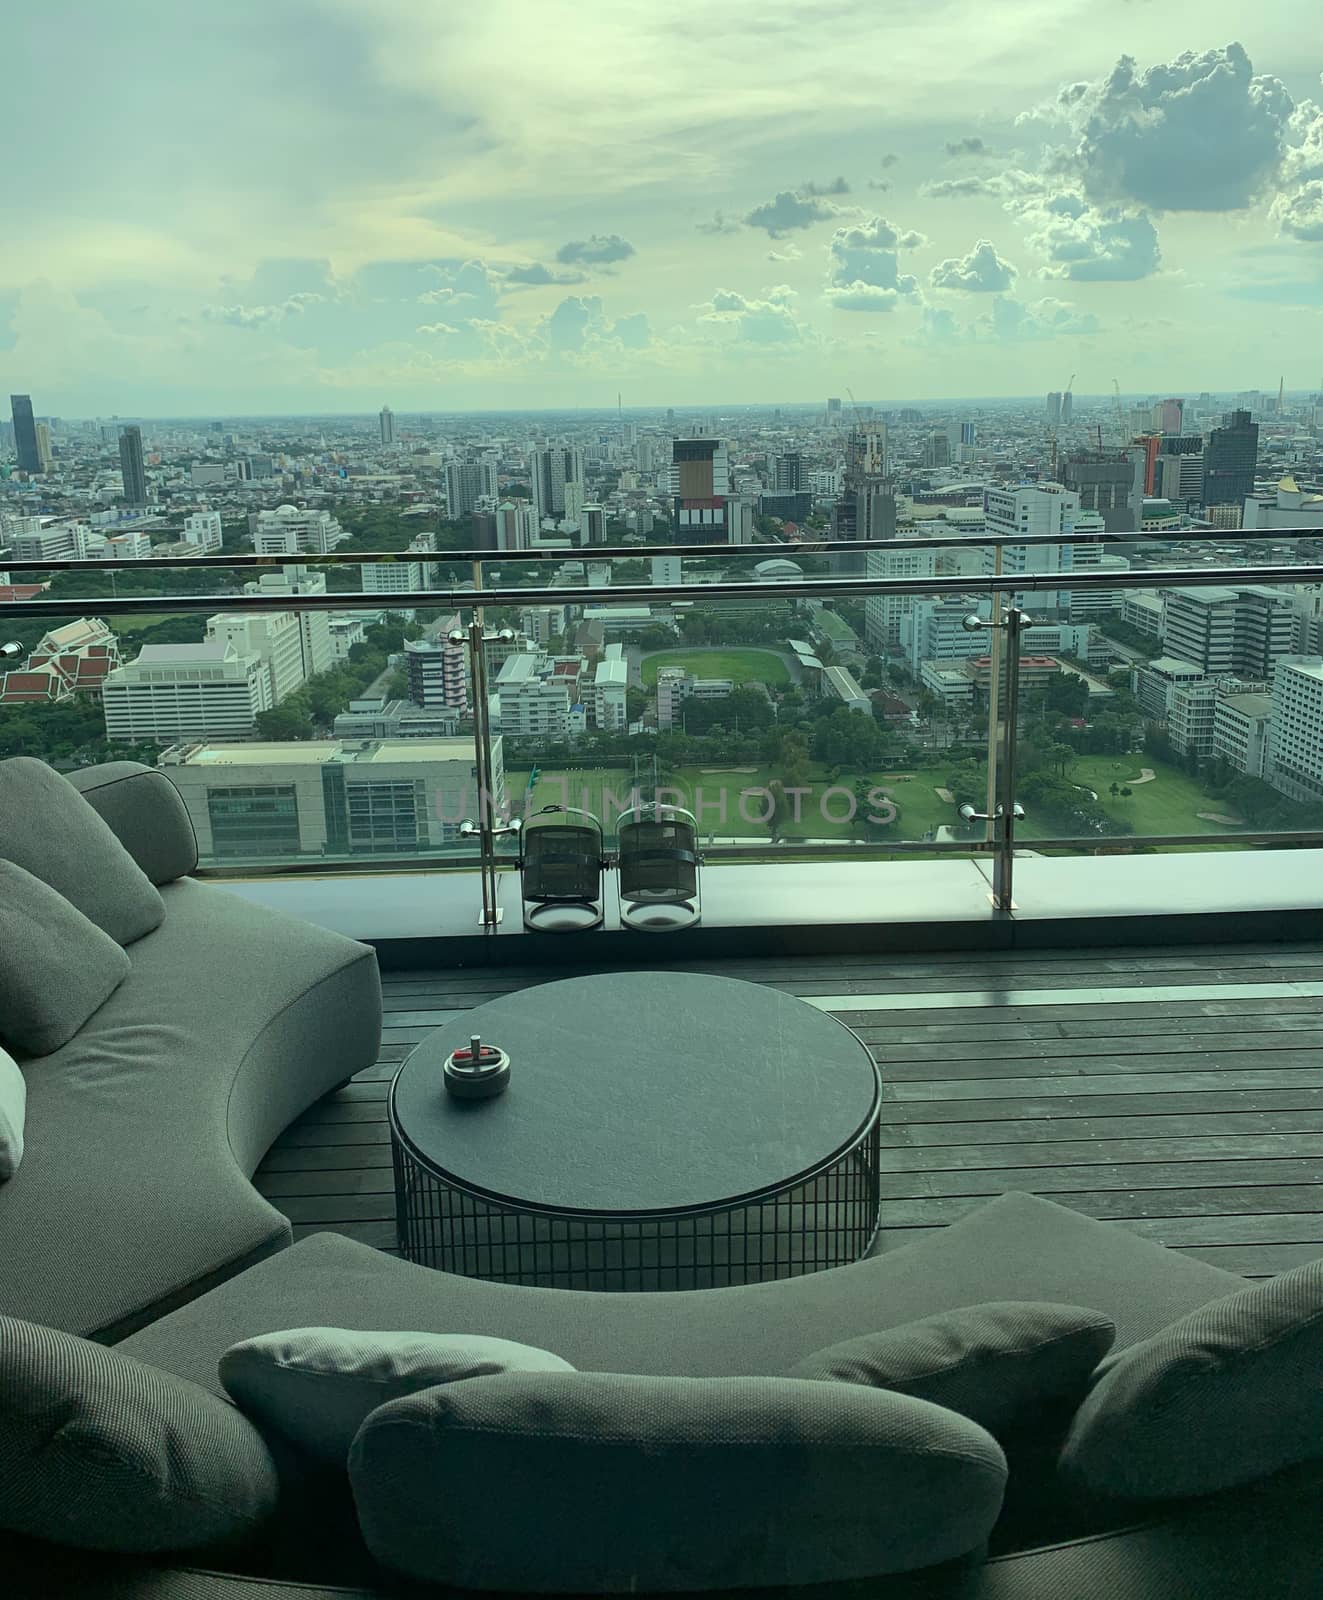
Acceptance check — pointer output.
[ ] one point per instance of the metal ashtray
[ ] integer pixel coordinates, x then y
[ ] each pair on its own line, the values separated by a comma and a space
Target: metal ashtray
477, 1071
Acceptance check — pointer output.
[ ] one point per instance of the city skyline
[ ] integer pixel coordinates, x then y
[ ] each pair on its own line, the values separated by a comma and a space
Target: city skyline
386, 204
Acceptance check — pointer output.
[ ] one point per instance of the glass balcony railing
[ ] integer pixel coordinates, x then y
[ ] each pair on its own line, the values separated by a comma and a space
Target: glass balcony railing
914, 698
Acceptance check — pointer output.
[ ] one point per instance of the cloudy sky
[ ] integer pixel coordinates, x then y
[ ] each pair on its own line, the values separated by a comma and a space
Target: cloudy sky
330, 204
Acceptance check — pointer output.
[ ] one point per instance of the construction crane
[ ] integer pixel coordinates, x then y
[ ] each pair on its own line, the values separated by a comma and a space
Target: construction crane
1121, 429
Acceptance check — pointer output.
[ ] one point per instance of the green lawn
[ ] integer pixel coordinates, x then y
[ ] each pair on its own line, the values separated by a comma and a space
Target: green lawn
1169, 804
744, 666
138, 621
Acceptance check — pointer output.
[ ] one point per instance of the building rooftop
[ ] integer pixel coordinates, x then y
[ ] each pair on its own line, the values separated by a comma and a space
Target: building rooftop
165, 654
324, 752
1173, 666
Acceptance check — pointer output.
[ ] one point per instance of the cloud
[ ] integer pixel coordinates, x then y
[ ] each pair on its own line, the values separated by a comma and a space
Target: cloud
879, 183
982, 271
970, 145
1008, 185
579, 326
1011, 319
598, 249
788, 211
768, 321
836, 186
260, 316
633, 331
1200, 133
1301, 214
535, 273
863, 265
890, 159
437, 329
719, 223
1092, 246
789, 252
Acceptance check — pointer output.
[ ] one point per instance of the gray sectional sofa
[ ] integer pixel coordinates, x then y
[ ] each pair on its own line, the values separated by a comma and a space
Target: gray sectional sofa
131, 1221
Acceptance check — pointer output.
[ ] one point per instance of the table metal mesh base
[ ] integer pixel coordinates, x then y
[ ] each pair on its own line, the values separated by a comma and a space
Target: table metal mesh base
828, 1221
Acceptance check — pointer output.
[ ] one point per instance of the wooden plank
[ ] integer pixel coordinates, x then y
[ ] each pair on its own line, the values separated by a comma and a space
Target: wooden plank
380, 1235
1191, 1124
1141, 1020
325, 1133
1138, 1062
324, 1158
894, 1052
1085, 1083
1257, 1261
1052, 1107
938, 1160
339, 1207
1133, 1175
279, 1186
1115, 1206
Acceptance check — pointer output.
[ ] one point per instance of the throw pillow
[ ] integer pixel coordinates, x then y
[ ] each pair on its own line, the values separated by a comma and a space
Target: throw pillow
13, 1109
606, 1483
56, 967
316, 1385
103, 1452
997, 1364
1226, 1395
47, 828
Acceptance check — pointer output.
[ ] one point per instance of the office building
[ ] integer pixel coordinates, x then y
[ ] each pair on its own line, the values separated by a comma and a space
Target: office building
1289, 507
1067, 406
186, 691
387, 421
675, 686
700, 488
132, 546
1230, 459
534, 699
204, 529
785, 472
1241, 725
1054, 406
392, 577
45, 456
935, 631
1049, 510
1178, 469
551, 471
592, 525
1149, 443
287, 531
866, 506
438, 671
319, 653
1294, 762
53, 541
131, 467
1169, 416
328, 797
1226, 632
667, 571
1155, 684
740, 525
395, 719
1110, 482
25, 433
209, 474
937, 450
514, 525
884, 614
275, 639
610, 683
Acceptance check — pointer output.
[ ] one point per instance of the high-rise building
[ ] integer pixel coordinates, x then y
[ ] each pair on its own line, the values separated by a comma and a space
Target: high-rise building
45, 457
467, 483
131, 466
25, 432
1110, 482
1149, 443
1067, 406
1054, 406
387, 421
516, 525
314, 626
885, 613
700, 488
1228, 632
552, 470
274, 638
785, 472
438, 671
392, 577
1294, 760
866, 505
179, 691
1168, 416
1230, 459
534, 700
54, 541
1178, 469
592, 525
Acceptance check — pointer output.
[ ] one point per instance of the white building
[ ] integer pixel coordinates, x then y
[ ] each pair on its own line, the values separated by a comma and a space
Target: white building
347, 629
208, 474
740, 528
275, 638
132, 546
843, 685
314, 626
289, 531
1294, 762
534, 703
1290, 507
884, 613
387, 422
610, 682
1048, 509
592, 525
328, 797
1241, 724
553, 471
935, 631
667, 571
1155, 684
55, 541
204, 529
1143, 611
186, 691
675, 686
516, 525
392, 577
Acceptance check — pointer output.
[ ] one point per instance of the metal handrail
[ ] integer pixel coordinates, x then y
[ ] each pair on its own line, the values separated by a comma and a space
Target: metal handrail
645, 594
816, 547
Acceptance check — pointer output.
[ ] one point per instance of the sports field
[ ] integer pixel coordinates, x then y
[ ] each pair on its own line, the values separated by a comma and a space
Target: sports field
744, 666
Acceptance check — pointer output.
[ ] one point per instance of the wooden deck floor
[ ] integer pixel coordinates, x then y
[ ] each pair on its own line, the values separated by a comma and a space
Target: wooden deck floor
1178, 1091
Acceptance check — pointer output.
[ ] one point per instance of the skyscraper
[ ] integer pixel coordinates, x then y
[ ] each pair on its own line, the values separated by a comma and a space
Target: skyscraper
1110, 482
387, 420
45, 460
131, 467
866, 508
25, 432
700, 489
1054, 406
1067, 406
551, 471
1230, 459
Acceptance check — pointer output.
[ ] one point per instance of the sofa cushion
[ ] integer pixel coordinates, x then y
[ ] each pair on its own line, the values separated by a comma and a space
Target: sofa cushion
103, 1453
142, 1131
56, 967
607, 1483
316, 1385
13, 1108
996, 1364
47, 828
1014, 1247
146, 813
1228, 1394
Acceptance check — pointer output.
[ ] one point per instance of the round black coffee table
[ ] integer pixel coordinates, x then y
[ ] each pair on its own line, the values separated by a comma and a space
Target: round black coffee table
661, 1131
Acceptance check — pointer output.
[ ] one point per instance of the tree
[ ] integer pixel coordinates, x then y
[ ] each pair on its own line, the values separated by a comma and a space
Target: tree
636, 703
1115, 789
1062, 757
1126, 791
848, 739
289, 720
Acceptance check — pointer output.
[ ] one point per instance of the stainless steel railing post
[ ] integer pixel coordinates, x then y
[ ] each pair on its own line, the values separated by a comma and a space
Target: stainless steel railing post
1006, 809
